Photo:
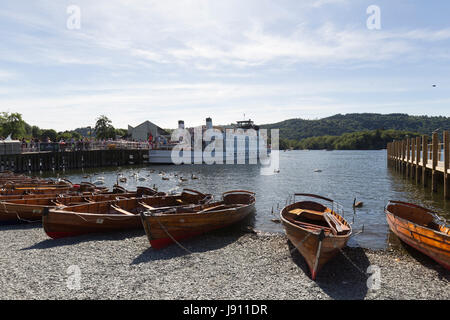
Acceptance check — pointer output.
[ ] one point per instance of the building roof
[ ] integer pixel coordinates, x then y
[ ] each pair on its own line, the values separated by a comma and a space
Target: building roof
148, 124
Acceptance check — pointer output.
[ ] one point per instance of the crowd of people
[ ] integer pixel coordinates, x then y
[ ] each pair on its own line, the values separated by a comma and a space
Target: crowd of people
35, 145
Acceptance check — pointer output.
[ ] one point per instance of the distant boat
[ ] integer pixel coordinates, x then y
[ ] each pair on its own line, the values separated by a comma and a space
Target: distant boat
317, 231
420, 228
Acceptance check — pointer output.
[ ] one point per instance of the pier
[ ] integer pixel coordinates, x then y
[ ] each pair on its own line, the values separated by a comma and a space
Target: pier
422, 160
67, 159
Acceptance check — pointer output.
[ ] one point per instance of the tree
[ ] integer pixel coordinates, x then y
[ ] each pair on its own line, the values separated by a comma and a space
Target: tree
36, 132
49, 133
12, 124
104, 129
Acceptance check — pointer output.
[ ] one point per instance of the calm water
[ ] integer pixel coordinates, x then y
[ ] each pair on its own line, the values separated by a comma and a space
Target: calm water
344, 176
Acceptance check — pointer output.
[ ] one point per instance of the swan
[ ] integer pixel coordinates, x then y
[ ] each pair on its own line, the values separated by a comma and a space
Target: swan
357, 204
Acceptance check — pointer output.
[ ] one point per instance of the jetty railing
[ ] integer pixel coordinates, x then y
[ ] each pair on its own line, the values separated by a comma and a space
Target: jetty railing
418, 158
84, 146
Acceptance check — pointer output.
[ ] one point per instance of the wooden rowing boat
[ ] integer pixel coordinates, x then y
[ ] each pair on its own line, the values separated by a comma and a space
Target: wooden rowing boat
49, 189
30, 209
165, 226
111, 215
420, 228
317, 231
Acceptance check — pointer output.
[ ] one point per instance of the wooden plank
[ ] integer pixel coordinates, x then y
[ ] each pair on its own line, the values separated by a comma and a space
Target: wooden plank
446, 165
418, 150
424, 160
435, 145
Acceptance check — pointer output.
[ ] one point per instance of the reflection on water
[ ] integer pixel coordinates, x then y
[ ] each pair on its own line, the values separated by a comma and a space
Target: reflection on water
339, 175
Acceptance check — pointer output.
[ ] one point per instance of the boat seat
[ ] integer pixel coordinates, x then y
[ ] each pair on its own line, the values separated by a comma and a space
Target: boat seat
123, 211
309, 225
299, 211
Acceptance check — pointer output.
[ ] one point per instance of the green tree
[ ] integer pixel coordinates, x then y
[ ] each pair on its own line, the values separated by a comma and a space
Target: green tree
12, 124
49, 133
36, 132
104, 129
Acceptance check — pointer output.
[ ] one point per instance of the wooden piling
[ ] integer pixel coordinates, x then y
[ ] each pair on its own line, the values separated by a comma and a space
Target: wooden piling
424, 160
418, 150
435, 146
413, 158
69, 160
446, 164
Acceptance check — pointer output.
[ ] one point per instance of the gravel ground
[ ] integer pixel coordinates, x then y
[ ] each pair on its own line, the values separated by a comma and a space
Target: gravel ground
228, 264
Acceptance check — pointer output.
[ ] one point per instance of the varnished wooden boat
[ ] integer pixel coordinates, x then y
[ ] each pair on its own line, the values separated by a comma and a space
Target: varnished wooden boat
420, 228
31, 208
317, 231
49, 189
111, 215
165, 226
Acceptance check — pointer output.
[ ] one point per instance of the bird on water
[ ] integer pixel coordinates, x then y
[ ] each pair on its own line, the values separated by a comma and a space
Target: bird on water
358, 204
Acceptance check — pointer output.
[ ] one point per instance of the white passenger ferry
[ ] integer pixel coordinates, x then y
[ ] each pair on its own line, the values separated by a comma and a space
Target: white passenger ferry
241, 143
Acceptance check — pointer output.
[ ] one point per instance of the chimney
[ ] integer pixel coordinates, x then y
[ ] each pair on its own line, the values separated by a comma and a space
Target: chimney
180, 124
209, 123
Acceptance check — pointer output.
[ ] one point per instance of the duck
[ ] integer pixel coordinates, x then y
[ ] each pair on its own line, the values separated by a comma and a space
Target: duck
123, 179
193, 177
99, 182
358, 204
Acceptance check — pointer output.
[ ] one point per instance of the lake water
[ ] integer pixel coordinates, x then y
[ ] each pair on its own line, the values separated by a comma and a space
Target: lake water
344, 175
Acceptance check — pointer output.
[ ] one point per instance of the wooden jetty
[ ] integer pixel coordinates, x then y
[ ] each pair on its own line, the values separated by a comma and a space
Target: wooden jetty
66, 160
419, 159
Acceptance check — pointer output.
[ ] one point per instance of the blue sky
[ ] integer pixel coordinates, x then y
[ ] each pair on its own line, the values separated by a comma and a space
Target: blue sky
183, 59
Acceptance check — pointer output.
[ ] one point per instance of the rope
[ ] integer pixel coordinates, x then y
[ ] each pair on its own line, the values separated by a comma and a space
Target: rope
171, 237
350, 260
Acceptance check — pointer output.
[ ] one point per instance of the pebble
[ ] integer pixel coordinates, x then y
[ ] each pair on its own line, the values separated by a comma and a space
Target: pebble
226, 264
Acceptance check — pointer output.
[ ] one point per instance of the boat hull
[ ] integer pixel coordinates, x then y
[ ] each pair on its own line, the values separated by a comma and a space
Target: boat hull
60, 224
163, 230
109, 216
434, 244
30, 209
315, 230
12, 212
307, 244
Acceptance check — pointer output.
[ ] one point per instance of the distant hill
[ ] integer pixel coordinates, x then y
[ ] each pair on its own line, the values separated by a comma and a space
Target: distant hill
360, 140
298, 129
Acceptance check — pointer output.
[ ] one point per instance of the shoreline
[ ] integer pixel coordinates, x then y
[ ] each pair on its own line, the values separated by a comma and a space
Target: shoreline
226, 264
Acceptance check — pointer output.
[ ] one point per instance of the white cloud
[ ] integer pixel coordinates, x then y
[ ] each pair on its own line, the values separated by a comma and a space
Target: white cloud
181, 58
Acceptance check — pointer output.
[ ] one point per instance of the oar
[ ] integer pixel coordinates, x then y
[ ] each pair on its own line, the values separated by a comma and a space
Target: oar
319, 249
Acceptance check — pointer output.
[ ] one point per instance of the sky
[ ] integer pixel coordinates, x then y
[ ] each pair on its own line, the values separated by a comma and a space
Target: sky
173, 60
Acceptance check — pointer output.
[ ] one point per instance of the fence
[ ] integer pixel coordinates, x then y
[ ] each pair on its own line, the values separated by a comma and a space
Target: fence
84, 146
418, 158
